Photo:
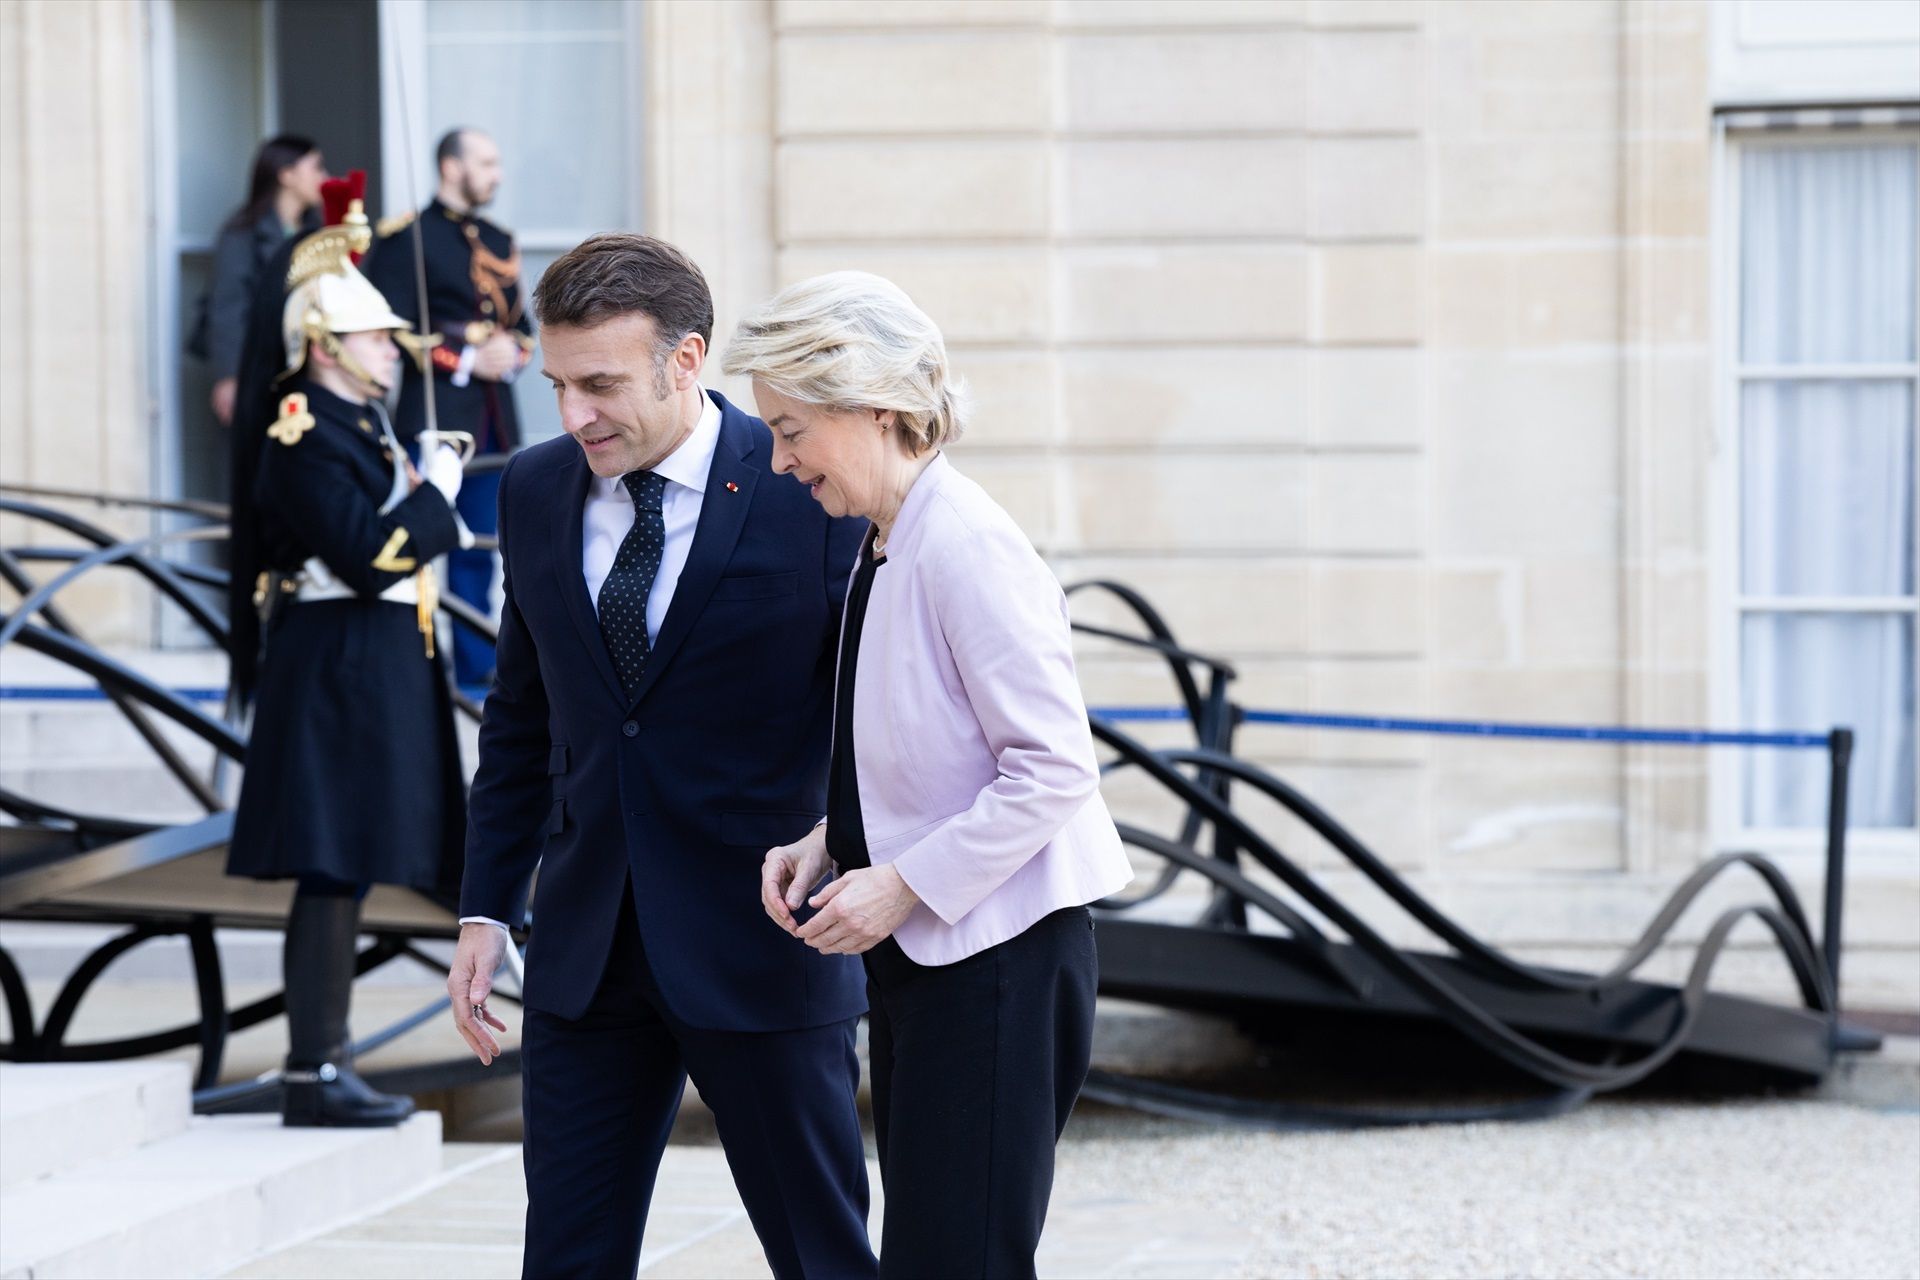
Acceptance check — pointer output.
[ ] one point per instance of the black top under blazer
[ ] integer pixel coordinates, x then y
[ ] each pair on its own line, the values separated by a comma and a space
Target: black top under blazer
680, 790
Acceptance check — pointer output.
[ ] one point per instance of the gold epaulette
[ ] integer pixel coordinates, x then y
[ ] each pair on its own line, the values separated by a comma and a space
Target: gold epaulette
389, 226
294, 421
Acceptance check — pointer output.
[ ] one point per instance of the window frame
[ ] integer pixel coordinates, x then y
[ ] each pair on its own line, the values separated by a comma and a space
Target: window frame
405, 39
1728, 601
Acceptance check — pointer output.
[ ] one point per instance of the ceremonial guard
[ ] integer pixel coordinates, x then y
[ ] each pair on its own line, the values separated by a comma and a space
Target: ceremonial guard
352, 773
263, 370
481, 340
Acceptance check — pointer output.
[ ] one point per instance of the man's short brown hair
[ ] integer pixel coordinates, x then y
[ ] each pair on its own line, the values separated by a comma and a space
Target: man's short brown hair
620, 274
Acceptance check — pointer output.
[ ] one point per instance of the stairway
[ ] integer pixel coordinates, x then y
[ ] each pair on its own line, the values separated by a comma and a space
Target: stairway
105, 1171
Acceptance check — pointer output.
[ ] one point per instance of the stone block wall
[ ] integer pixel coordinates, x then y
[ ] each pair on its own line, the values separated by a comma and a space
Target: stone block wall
1370, 341
75, 409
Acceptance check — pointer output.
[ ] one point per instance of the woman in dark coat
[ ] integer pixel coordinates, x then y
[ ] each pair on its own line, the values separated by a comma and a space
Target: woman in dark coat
283, 199
352, 774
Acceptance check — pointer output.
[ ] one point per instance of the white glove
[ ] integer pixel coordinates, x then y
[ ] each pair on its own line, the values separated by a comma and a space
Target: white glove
441, 467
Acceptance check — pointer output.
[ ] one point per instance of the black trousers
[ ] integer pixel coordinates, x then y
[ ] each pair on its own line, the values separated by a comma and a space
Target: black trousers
600, 1094
976, 1066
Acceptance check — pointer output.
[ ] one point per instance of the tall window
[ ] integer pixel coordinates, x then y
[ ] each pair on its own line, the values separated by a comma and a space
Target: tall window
552, 81
1826, 371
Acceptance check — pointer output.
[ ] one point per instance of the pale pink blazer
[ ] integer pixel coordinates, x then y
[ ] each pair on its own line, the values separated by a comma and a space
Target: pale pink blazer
976, 768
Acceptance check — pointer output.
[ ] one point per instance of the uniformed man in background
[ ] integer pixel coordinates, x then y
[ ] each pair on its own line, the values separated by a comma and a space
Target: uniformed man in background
484, 339
352, 772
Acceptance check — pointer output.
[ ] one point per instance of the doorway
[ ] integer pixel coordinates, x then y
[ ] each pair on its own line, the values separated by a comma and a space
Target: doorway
228, 75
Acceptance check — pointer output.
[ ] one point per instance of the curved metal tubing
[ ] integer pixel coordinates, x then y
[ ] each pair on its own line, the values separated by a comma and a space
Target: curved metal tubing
1163, 881
466, 706
1471, 947
142, 1046
1467, 1017
67, 1003
179, 1037
394, 1030
107, 671
198, 574
1211, 716
211, 988
465, 615
204, 795
106, 555
87, 824
217, 511
1223, 875
19, 1006
159, 573
1179, 1102
1161, 641
437, 965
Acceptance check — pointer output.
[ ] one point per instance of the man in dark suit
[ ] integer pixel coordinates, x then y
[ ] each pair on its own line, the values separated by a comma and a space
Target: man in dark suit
659, 720
475, 310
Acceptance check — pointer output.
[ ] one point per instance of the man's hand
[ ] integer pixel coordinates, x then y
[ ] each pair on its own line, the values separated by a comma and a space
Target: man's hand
470, 982
858, 911
497, 357
789, 872
222, 399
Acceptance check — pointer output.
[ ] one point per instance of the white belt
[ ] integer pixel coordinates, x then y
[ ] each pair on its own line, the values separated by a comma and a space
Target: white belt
318, 583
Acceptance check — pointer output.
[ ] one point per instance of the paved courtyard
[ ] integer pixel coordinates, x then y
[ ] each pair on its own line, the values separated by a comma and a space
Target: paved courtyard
1754, 1188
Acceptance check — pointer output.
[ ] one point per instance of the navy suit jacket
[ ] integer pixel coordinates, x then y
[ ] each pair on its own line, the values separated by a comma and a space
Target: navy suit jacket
682, 789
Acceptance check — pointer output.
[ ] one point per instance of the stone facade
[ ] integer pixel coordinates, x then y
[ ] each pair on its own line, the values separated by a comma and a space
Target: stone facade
75, 410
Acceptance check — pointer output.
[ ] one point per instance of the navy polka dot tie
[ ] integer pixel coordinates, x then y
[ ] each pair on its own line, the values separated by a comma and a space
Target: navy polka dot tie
623, 596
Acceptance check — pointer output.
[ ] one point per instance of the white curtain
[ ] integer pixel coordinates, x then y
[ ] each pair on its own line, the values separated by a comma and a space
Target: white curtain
1827, 473
1815, 670
1826, 488
1827, 254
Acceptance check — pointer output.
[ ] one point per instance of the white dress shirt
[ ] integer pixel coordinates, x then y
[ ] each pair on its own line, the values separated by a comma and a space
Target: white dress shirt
608, 516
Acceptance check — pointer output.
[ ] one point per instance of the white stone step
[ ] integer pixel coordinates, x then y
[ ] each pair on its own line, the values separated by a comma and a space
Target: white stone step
204, 1200
56, 1117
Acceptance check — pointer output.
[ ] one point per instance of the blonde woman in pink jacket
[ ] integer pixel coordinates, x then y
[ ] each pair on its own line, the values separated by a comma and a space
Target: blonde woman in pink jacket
965, 833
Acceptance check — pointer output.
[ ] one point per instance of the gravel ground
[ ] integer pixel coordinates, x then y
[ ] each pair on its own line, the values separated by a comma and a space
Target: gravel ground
1753, 1188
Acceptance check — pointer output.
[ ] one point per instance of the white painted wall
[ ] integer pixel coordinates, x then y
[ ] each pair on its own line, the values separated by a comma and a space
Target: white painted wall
1815, 51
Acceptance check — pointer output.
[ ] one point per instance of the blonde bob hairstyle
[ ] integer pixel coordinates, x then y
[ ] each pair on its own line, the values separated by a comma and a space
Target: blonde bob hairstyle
848, 340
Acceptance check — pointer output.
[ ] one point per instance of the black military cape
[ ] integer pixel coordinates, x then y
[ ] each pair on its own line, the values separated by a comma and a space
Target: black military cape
353, 770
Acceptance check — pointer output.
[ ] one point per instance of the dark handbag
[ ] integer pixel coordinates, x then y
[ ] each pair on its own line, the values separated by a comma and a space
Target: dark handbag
199, 343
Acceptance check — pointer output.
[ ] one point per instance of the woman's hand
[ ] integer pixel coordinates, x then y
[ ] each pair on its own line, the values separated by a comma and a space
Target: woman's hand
858, 910
789, 872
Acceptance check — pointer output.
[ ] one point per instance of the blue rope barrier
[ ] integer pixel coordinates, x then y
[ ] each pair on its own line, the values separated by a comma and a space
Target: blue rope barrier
1492, 729
1376, 724
74, 693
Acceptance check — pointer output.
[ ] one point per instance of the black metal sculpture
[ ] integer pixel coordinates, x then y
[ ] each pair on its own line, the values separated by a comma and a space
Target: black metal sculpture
1517, 1013
1575, 1034
164, 880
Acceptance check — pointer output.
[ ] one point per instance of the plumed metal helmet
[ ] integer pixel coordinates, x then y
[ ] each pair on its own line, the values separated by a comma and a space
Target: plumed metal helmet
326, 294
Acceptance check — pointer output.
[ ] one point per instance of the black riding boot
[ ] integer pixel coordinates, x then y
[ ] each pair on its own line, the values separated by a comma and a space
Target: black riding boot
321, 1088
